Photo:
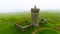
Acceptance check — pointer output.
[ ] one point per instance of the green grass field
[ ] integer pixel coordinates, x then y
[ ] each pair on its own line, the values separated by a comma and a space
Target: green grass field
7, 22
47, 31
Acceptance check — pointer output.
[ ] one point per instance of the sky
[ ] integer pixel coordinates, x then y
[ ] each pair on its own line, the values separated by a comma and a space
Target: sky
24, 5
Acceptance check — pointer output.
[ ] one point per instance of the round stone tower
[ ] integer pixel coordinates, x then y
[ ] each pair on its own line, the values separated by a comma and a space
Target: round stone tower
35, 16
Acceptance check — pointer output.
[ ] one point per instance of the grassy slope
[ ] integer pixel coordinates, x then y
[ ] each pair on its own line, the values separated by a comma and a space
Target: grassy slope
47, 31
7, 22
9, 28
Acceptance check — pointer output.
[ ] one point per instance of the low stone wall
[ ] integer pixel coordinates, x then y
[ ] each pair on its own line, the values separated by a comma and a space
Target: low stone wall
23, 28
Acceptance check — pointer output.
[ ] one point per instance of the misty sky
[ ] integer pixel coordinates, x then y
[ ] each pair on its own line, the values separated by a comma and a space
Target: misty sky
19, 5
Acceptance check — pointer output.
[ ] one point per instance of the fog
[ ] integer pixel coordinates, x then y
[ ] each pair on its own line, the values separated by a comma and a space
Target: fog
7, 6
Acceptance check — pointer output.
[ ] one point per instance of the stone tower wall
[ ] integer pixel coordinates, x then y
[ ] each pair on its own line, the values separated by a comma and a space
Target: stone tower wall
35, 16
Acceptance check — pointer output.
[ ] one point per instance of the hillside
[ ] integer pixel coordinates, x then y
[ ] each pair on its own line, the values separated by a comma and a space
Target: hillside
7, 22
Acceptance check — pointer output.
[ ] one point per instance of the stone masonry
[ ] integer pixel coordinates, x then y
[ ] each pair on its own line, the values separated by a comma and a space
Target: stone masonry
35, 16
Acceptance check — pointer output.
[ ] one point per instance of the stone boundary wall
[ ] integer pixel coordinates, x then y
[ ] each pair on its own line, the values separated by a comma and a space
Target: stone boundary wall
23, 28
